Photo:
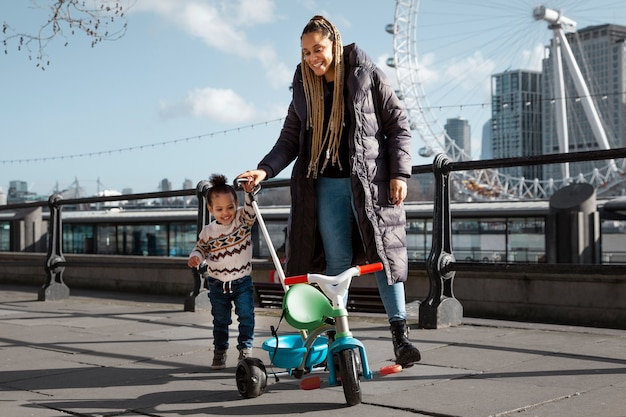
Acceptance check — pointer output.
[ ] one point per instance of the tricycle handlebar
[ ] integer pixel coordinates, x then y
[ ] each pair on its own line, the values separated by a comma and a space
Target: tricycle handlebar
369, 268
356, 271
297, 279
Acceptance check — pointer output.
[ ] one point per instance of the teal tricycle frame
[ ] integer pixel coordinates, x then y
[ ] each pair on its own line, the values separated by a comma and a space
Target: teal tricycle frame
313, 313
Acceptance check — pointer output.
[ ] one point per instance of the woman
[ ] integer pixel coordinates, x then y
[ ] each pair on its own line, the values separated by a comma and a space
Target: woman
349, 136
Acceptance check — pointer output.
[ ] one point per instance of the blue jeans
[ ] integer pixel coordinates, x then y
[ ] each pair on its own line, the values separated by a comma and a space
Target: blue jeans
222, 296
335, 217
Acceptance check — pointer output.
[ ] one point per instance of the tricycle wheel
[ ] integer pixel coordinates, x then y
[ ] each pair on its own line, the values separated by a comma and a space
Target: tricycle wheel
251, 377
349, 371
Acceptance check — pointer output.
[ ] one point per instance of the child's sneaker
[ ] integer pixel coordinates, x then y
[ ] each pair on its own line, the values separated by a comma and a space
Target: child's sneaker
219, 359
245, 353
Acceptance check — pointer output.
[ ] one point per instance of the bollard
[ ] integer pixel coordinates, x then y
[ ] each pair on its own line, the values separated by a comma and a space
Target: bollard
198, 298
54, 288
440, 308
574, 226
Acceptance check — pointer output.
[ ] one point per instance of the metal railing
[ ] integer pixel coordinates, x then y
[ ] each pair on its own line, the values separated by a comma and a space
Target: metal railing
439, 308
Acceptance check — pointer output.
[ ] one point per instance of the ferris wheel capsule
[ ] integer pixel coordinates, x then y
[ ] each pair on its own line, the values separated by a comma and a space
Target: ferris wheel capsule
426, 152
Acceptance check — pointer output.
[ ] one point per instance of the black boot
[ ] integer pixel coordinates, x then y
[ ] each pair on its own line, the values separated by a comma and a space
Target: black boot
406, 353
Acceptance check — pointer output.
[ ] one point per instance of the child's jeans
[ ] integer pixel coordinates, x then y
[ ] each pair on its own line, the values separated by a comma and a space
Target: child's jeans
223, 295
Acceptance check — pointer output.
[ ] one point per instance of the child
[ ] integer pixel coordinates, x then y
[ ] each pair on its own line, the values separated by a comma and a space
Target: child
226, 246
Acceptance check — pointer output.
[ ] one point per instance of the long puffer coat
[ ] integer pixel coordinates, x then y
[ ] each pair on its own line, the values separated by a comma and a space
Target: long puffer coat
380, 149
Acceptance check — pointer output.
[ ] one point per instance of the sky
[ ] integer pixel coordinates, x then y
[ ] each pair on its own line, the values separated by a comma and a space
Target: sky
196, 87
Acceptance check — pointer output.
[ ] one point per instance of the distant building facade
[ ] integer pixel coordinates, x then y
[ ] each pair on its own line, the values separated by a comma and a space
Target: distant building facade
485, 144
188, 184
516, 106
458, 130
600, 53
18, 193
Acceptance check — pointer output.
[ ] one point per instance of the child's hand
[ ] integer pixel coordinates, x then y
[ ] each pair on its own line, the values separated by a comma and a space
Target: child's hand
248, 186
193, 262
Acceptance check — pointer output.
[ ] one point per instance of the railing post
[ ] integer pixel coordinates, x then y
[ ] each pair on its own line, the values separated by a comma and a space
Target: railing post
54, 289
440, 308
198, 298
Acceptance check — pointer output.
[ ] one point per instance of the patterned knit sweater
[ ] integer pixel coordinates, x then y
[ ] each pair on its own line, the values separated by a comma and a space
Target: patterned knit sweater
227, 249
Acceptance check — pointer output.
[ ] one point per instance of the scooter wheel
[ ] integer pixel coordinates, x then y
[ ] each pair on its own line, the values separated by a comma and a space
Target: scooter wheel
251, 377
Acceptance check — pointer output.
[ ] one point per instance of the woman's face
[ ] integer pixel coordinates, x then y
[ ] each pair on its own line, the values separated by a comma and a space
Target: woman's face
317, 51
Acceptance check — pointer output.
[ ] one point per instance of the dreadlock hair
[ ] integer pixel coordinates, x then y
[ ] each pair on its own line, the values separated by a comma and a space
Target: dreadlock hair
314, 96
219, 186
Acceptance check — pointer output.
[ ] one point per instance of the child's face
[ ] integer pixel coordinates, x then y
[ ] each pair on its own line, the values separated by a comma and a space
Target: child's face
223, 207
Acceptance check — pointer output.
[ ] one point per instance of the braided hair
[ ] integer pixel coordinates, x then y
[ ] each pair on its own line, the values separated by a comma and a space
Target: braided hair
314, 96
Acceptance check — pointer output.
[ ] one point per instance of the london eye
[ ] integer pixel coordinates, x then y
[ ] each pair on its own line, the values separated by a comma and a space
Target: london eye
445, 54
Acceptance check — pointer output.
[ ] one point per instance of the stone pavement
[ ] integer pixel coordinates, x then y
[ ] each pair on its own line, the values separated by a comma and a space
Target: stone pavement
115, 354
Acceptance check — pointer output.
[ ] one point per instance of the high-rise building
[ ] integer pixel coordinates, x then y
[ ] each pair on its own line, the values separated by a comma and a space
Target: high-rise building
166, 185
458, 130
485, 144
600, 55
516, 119
18, 193
188, 184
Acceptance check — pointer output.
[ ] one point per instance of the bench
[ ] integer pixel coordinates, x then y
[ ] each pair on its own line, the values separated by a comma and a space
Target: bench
360, 299
268, 295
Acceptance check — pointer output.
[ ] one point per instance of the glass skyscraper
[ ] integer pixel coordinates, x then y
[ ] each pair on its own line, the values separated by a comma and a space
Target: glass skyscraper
599, 52
516, 119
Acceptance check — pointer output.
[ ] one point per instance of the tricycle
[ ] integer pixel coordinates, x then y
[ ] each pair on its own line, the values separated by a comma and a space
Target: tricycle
315, 305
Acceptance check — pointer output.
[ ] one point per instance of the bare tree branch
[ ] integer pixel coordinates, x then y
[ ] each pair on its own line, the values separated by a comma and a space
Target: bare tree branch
100, 20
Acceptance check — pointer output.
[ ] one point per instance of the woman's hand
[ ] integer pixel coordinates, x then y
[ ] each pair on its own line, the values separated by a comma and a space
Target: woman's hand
254, 177
397, 191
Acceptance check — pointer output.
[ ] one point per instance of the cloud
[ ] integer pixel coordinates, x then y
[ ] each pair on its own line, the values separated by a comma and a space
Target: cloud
221, 105
250, 12
222, 25
470, 70
533, 58
427, 70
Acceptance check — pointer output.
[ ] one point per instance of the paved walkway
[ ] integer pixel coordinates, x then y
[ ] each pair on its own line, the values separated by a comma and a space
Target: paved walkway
105, 354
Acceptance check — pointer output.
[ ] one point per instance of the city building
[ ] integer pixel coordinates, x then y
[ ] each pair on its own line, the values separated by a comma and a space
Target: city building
600, 56
18, 193
485, 144
166, 185
458, 130
516, 106
188, 184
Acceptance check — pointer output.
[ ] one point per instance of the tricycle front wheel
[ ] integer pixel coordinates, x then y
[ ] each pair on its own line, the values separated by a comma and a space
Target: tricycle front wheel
349, 370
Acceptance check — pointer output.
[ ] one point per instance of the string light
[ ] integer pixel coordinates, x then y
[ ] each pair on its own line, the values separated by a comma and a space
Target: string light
238, 130
483, 105
138, 147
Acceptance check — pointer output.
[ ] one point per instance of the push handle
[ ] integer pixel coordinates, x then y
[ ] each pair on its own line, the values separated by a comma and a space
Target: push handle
297, 279
369, 268
238, 183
